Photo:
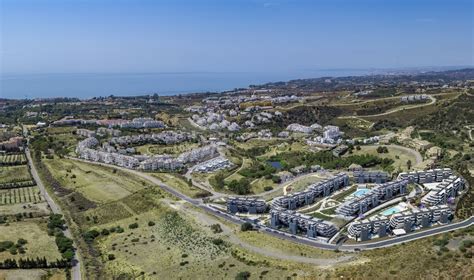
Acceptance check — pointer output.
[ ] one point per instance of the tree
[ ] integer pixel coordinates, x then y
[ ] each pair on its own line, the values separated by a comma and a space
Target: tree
246, 226
409, 164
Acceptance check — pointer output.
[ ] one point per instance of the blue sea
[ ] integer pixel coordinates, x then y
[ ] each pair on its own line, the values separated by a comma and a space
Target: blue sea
15, 86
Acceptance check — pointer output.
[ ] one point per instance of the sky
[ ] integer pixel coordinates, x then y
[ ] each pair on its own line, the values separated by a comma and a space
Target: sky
145, 36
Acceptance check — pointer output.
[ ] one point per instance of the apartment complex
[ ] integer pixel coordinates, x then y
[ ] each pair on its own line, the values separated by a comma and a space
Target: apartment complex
165, 137
143, 123
313, 227
378, 177
246, 205
448, 188
380, 193
308, 196
407, 220
427, 176
160, 162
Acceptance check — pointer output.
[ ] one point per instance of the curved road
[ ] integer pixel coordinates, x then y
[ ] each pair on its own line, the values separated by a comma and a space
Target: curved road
404, 107
303, 240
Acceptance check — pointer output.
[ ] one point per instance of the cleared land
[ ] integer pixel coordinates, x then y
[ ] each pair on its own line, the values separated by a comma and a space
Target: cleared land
32, 274
181, 185
40, 244
184, 246
97, 183
36, 209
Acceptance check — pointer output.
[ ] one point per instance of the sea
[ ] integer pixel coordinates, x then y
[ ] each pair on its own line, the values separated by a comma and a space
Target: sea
88, 85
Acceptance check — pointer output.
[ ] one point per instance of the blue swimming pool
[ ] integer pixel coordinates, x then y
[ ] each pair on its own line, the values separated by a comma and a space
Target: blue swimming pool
391, 211
360, 192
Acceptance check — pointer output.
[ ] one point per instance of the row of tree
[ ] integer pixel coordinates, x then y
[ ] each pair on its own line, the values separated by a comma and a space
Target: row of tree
33, 263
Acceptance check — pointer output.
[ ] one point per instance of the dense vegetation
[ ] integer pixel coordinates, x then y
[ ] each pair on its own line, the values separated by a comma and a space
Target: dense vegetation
327, 160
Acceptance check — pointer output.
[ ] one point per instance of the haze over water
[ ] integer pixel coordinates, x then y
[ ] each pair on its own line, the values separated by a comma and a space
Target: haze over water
93, 85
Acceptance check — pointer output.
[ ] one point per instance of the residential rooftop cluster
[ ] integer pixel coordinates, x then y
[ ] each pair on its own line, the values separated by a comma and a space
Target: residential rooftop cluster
382, 192
214, 164
134, 123
296, 222
158, 162
165, 137
399, 223
246, 205
323, 188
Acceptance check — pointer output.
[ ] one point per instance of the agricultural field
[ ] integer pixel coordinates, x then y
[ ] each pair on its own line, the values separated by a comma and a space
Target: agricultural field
99, 184
11, 174
34, 231
12, 159
20, 195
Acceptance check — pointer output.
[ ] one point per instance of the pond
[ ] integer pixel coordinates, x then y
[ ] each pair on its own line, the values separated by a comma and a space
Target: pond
275, 164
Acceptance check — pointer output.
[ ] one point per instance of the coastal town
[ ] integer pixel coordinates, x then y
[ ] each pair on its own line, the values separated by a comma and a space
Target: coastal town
341, 172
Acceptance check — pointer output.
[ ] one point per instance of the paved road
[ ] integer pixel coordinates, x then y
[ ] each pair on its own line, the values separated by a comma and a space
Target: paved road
299, 239
404, 107
418, 157
76, 269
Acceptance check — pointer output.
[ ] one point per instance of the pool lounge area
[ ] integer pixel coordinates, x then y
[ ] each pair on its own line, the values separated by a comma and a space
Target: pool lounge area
395, 209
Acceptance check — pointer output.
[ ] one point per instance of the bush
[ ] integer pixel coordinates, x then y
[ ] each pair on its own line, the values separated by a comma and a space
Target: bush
268, 188
216, 228
111, 257
133, 226
151, 223
246, 226
244, 275
21, 242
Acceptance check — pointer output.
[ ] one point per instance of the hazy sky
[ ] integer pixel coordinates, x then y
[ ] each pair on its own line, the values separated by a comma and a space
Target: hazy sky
39, 36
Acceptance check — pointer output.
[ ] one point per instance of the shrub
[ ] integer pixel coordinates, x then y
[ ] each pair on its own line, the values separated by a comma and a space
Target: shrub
133, 226
151, 223
111, 257
244, 275
268, 188
21, 242
246, 226
216, 228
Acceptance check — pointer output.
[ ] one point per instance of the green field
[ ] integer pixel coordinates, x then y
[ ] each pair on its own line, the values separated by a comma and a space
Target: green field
17, 173
20, 195
97, 183
393, 153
